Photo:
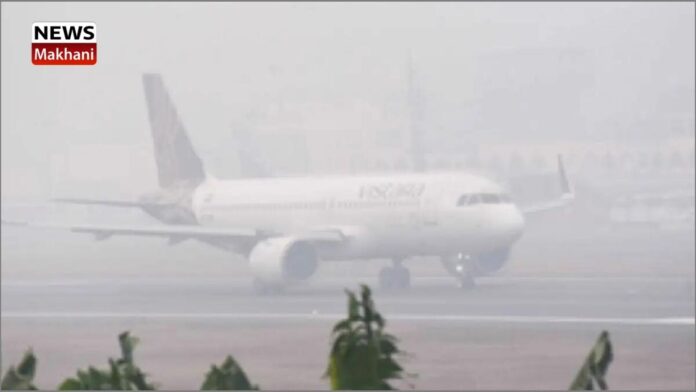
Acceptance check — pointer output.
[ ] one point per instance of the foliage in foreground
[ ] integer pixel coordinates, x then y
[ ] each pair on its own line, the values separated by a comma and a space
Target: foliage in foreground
362, 354
122, 374
229, 376
594, 369
21, 377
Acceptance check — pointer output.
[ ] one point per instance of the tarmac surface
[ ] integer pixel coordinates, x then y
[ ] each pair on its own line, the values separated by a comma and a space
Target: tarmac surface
508, 333
528, 327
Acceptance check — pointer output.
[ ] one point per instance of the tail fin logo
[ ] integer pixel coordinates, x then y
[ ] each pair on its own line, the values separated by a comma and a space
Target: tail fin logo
177, 162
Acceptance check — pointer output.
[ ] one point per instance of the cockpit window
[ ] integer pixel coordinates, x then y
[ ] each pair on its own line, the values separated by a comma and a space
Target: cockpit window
474, 199
463, 199
490, 198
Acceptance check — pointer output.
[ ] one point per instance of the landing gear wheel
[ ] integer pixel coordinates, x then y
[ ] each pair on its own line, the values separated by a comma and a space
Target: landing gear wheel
467, 282
460, 268
394, 278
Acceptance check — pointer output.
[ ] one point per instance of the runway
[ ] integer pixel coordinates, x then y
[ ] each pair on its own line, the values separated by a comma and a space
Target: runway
504, 334
336, 316
660, 301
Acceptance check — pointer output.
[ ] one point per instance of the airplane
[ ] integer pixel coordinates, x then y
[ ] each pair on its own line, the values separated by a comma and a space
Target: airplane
287, 226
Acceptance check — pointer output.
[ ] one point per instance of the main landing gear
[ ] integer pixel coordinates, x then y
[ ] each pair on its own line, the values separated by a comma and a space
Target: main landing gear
461, 267
395, 277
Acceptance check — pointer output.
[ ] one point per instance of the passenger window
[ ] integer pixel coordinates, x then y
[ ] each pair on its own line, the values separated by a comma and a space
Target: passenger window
474, 199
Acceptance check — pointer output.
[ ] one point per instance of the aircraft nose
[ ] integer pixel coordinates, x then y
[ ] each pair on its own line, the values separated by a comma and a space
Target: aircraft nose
513, 224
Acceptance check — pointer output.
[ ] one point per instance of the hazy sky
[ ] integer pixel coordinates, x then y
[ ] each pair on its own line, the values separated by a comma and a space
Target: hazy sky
491, 71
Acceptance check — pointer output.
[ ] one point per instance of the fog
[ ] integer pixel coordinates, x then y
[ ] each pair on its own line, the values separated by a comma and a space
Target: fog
348, 89
337, 75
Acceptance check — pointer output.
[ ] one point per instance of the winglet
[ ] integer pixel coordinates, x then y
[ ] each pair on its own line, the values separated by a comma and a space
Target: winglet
566, 188
567, 194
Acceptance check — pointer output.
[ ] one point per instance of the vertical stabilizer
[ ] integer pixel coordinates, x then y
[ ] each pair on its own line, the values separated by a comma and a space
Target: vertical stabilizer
177, 162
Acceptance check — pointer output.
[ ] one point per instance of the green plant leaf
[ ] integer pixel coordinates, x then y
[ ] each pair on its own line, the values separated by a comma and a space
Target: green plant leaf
361, 355
594, 369
71, 384
22, 376
122, 374
229, 376
127, 344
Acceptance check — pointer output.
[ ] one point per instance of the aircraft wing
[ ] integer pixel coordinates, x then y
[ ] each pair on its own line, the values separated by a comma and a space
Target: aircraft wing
567, 196
178, 233
111, 203
329, 234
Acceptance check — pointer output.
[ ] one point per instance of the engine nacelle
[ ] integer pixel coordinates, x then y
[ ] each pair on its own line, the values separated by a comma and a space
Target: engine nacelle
282, 260
487, 263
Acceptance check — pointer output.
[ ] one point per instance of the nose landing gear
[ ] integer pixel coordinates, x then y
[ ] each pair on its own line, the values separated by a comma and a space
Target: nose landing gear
461, 267
395, 277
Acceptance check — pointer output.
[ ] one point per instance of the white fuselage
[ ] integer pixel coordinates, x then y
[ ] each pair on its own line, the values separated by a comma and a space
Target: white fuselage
384, 216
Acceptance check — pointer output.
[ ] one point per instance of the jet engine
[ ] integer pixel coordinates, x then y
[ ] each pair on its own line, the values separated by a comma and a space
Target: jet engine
282, 260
